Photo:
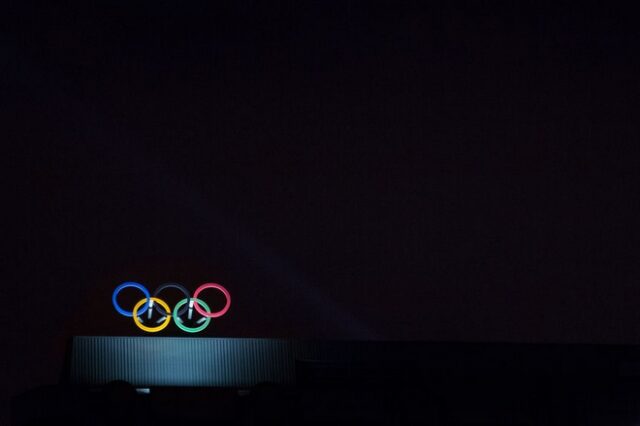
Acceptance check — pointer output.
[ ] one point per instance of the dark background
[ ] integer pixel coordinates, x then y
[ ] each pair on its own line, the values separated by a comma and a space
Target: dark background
346, 169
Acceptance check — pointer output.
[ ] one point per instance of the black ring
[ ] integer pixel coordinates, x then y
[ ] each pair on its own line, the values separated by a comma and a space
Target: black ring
180, 287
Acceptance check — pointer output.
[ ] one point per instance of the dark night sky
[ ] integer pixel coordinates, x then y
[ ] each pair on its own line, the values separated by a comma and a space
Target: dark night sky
394, 171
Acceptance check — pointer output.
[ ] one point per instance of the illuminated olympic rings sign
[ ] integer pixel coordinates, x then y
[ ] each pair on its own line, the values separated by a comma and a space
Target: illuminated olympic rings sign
151, 303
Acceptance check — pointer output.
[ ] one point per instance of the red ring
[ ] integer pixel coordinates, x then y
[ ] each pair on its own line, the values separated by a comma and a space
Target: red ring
204, 313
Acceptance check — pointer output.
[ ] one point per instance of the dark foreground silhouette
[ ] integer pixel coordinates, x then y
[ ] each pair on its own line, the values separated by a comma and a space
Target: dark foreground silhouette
377, 384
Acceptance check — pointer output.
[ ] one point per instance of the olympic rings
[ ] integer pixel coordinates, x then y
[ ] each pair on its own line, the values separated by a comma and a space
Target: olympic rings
122, 287
162, 326
151, 304
212, 314
172, 285
178, 321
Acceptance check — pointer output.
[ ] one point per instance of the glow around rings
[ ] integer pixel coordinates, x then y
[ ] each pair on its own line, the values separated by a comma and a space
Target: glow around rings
162, 326
178, 321
159, 314
211, 314
143, 289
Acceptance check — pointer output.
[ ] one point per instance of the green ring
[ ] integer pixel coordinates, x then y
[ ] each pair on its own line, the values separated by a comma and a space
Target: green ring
183, 327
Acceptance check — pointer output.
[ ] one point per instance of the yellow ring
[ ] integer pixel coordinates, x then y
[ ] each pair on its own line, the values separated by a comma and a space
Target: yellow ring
151, 329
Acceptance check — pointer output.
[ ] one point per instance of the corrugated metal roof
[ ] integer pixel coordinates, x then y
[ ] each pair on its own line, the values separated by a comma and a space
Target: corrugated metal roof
169, 361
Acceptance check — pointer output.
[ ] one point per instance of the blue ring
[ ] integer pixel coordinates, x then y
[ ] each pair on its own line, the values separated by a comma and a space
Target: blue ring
134, 285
